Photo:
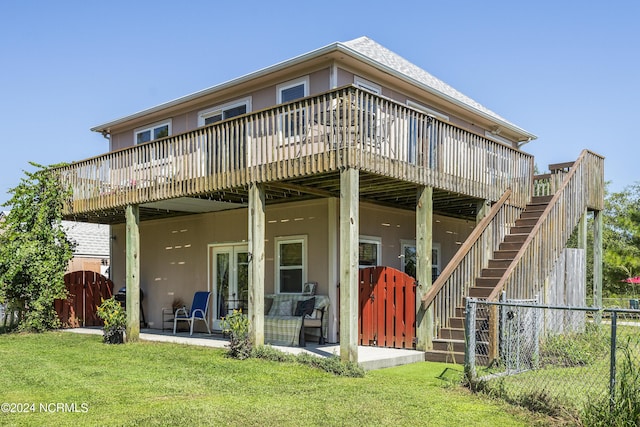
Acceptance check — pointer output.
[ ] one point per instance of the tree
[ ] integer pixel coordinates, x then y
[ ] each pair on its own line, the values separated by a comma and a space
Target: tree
621, 238
34, 249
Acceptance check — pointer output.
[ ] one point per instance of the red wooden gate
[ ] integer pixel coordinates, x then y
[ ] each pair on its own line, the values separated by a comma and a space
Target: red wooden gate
86, 290
387, 300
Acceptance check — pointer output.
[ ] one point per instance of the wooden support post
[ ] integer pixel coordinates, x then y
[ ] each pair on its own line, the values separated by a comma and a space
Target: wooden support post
349, 235
132, 214
597, 259
582, 231
424, 244
482, 210
256, 270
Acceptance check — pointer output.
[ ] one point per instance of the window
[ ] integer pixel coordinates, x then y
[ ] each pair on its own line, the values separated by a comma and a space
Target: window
369, 105
292, 122
291, 263
367, 85
416, 135
154, 131
409, 259
225, 111
369, 251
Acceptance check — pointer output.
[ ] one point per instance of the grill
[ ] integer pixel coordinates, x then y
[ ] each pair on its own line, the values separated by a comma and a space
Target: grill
121, 297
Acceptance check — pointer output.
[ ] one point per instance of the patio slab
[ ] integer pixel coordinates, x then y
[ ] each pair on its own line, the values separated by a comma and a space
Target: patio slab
369, 358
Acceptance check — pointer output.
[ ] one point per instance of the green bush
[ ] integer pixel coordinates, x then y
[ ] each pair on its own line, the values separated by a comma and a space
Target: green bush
624, 409
115, 320
237, 326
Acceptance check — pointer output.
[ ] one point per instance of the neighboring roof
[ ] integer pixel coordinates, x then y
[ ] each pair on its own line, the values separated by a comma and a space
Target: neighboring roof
92, 240
366, 50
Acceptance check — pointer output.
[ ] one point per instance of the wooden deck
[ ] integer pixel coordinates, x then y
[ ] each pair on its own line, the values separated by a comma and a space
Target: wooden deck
297, 150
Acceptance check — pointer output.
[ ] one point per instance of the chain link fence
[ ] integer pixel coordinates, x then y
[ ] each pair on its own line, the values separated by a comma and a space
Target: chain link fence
548, 358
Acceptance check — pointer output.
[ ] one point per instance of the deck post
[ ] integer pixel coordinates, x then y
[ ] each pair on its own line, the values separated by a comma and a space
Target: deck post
597, 259
257, 260
132, 214
424, 244
349, 235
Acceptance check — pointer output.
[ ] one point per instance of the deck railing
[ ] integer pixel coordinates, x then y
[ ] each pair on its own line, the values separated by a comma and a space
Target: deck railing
582, 189
346, 127
473, 255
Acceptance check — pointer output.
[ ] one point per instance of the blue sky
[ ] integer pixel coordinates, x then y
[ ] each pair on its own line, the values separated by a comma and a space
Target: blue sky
566, 71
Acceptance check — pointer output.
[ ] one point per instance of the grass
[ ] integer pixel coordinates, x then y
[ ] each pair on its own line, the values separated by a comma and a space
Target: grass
158, 384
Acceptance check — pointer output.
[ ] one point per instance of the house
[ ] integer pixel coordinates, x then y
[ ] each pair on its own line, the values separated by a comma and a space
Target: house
91, 252
341, 158
91, 240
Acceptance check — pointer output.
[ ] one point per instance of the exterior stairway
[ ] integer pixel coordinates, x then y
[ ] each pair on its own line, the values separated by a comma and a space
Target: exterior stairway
449, 345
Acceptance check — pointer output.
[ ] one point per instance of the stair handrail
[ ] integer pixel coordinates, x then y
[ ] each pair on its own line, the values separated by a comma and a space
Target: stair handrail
437, 286
534, 232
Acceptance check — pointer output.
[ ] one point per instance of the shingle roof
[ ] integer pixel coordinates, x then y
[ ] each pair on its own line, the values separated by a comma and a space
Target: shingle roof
395, 62
367, 50
92, 240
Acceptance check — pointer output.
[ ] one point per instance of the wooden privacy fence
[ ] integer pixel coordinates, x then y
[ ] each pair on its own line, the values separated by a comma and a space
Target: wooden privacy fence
387, 308
86, 289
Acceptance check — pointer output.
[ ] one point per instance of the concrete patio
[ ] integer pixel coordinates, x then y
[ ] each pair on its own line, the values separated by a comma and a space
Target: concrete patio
369, 358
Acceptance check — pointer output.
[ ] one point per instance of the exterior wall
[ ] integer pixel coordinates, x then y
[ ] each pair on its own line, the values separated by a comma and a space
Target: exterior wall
346, 77
174, 252
394, 225
260, 99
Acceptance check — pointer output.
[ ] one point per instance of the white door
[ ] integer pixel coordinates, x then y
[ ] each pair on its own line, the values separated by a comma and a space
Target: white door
228, 279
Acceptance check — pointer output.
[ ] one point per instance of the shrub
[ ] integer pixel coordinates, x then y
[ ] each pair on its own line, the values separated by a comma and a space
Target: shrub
115, 320
624, 409
574, 349
237, 326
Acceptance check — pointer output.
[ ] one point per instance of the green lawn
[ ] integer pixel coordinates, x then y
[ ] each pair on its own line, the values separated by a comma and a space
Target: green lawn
165, 384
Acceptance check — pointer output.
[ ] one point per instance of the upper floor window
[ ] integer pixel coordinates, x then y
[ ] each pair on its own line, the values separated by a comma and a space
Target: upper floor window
367, 85
292, 123
151, 132
292, 90
225, 111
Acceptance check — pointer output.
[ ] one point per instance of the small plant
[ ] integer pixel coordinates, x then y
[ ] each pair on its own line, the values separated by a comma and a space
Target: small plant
623, 407
115, 321
176, 304
236, 325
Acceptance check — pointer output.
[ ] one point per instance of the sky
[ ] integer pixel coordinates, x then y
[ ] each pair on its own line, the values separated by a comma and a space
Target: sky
564, 70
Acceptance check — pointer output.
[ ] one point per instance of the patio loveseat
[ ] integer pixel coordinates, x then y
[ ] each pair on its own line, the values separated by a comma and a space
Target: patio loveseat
283, 327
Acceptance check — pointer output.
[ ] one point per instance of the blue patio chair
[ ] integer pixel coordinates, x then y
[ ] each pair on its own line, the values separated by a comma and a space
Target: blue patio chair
199, 308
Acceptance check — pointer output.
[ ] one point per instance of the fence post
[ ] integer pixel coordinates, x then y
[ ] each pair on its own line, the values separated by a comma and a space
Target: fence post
470, 339
612, 370
536, 336
503, 325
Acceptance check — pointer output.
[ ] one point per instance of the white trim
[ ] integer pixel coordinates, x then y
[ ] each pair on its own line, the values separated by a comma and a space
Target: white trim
151, 127
292, 83
333, 75
372, 240
497, 138
427, 110
286, 240
212, 250
435, 246
367, 85
219, 109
